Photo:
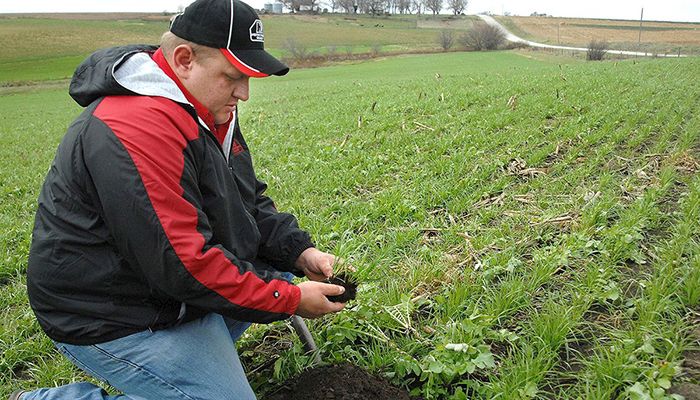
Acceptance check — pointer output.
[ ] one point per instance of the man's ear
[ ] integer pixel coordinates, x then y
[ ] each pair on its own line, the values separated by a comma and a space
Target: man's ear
182, 61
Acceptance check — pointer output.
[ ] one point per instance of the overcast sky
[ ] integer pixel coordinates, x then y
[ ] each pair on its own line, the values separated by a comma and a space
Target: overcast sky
664, 10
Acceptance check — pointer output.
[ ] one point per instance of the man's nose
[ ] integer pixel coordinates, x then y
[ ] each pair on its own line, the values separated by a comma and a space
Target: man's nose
241, 92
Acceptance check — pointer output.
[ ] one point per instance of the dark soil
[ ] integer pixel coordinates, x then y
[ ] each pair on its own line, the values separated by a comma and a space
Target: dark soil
688, 390
346, 281
691, 371
339, 382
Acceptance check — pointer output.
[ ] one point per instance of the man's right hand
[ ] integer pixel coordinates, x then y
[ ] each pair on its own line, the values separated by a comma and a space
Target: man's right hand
314, 302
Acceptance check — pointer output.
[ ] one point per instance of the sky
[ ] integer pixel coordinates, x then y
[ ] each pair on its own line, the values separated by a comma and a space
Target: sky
659, 10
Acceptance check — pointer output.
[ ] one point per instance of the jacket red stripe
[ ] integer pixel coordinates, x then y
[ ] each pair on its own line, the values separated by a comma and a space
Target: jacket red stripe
160, 161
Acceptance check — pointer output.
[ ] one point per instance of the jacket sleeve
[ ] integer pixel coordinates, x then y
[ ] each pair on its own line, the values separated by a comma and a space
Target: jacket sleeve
282, 240
140, 160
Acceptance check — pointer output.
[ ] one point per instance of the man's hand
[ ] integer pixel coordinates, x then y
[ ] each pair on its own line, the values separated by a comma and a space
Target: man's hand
314, 302
316, 265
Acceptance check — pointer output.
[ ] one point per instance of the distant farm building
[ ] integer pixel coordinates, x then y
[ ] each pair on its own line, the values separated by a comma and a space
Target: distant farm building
273, 8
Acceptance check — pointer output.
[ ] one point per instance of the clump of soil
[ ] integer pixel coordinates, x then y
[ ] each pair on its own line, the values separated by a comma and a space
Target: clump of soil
346, 281
339, 382
688, 390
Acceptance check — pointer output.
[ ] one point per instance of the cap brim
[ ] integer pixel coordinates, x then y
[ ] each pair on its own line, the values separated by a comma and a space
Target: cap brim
255, 63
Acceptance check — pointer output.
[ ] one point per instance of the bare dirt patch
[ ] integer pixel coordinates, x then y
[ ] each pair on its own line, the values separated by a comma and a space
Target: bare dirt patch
689, 391
339, 382
691, 371
20, 87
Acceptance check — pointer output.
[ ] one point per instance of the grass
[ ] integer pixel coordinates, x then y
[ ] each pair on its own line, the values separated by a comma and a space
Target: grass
39, 49
44, 48
421, 193
545, 247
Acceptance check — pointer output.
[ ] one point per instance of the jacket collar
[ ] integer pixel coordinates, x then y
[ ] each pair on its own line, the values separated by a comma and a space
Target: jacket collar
202, 112
150, 75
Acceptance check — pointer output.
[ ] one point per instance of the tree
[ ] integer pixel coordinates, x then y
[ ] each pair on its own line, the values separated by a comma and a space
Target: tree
404, 6
374, 7
293, 5
482, 36
457, 6
348, 6
416, 5
333, 4
446, 39
297, 51
433, 5
596, 50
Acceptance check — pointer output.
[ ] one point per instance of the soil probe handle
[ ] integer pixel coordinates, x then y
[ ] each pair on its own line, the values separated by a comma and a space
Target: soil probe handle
305, 335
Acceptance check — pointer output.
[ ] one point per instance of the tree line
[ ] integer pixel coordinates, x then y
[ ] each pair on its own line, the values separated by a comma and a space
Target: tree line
378, 7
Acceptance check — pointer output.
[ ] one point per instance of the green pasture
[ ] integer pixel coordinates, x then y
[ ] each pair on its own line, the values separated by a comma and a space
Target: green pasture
522, 228
40, 49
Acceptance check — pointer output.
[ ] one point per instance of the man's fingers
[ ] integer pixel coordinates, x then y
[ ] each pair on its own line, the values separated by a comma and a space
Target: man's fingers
335, 307
333, 290
341, 261
327, 269
314, 301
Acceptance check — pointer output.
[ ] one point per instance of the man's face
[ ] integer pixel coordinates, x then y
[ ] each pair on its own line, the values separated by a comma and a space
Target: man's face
218, 85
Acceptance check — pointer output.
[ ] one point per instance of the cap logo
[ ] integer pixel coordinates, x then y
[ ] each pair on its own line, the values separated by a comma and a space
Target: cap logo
256, 31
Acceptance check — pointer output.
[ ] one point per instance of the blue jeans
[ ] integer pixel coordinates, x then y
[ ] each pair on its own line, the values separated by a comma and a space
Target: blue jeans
196, 360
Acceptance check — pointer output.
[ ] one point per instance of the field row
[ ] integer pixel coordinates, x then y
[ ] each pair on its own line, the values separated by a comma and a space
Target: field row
524, 215
522, 229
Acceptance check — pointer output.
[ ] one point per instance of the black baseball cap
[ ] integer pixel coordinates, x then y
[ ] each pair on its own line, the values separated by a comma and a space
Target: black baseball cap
233, 27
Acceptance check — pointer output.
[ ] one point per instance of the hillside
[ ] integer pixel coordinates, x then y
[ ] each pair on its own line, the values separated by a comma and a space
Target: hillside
39, 47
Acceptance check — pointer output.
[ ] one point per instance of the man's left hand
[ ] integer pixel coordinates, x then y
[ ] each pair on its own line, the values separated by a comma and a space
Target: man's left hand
316, 265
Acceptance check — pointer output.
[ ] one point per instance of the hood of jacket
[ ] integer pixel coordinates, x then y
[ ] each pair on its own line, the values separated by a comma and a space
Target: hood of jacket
125, 70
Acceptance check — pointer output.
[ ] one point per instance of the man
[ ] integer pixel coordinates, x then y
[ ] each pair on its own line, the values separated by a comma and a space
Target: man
154, 245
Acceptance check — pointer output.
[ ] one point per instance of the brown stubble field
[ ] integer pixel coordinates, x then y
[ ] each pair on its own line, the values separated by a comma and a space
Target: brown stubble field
660, 37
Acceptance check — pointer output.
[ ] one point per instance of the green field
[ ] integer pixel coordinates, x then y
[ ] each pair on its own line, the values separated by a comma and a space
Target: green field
522, 228
39, 49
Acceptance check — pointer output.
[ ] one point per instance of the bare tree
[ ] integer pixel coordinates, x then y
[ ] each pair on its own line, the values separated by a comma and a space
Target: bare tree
446, 39
293, 5
297, 51
433, 5
482, 36
375, 7
314, 5
362, 6
417, 5
333, 4
596, 50
347, 6
403, 6
457, 6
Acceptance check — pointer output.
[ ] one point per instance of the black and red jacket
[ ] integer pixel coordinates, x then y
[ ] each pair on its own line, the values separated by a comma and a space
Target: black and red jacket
147, 220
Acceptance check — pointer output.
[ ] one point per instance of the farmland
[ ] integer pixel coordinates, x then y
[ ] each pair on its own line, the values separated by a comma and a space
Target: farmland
41, 47
44, 48
656, 36
523, 227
